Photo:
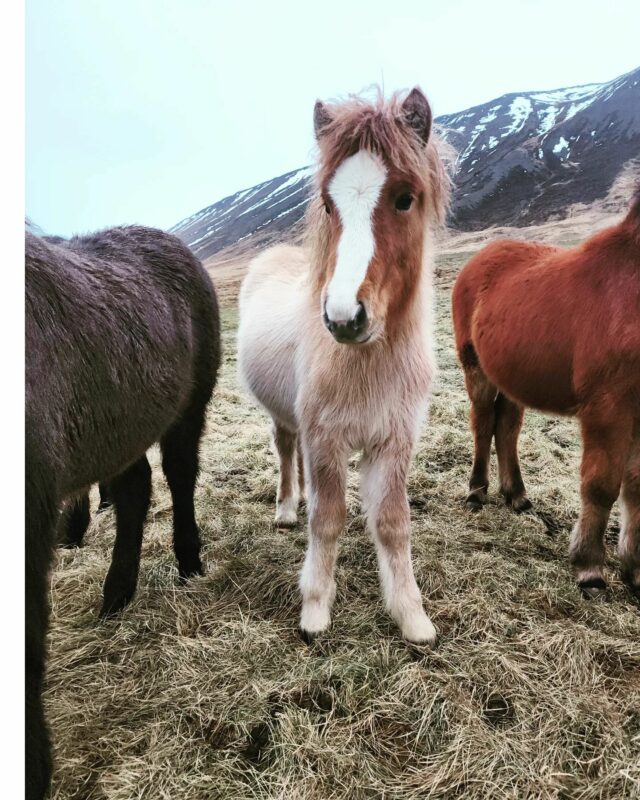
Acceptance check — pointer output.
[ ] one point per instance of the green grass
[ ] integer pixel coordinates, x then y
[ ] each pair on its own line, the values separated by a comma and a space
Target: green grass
207, 691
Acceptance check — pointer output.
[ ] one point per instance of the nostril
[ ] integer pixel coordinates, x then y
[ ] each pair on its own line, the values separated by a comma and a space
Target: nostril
360, 319
328, 324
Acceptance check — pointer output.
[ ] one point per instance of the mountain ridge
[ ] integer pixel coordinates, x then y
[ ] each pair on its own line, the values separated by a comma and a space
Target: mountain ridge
523, 157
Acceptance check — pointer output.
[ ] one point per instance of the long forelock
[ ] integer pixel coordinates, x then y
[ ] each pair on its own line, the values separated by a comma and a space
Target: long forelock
379, 127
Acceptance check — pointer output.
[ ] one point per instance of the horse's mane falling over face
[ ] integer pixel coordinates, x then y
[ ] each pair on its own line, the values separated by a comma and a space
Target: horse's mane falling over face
381, 186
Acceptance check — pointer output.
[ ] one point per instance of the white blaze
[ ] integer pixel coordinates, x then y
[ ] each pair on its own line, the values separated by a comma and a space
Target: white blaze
355, 189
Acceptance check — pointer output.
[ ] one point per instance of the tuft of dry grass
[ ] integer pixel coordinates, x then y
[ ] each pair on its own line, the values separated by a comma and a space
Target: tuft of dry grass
206, 690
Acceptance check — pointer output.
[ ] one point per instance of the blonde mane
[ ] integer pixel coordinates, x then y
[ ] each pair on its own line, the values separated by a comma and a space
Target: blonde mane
380, 127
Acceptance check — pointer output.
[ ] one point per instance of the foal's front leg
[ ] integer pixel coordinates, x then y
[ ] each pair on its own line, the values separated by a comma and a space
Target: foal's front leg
384, 496
326, 468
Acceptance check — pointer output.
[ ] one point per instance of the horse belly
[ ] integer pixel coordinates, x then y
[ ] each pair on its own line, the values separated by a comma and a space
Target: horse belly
530, 359
267, 353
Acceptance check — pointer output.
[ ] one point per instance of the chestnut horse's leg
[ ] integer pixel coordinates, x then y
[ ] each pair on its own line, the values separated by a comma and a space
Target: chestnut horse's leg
384, 496
131, 491
326, 469
288, 492
509, 416
482, 394
606, 435
629, 541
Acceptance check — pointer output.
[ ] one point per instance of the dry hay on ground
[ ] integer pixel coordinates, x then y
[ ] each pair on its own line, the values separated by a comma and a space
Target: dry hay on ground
206, 690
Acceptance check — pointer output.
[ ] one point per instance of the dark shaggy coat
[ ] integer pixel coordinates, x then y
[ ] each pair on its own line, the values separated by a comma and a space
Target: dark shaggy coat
122, 350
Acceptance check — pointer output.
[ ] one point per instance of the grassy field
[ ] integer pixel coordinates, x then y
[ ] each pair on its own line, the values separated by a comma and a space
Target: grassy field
207, 691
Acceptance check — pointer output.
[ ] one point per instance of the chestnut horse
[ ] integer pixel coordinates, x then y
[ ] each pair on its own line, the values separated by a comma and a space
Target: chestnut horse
559, 330
335, 340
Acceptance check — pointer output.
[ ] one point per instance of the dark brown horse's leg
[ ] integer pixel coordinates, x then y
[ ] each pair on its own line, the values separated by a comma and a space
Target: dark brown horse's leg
288, 494
482, 394
180, 463
509, 417
606, 435
41, 512
106, 501
74, 522
629, 541
131, 492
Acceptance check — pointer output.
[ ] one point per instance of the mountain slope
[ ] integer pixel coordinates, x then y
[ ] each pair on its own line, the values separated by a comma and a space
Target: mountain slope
522, 158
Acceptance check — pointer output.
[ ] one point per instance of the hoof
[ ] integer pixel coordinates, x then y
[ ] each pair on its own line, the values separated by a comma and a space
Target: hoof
634, 590
631, 581
521, 504
287, 513
286, 520
593, 588
307, 636
190, 570
419, 630
473, 504
69, 545
114, 605
314, 619
476, 499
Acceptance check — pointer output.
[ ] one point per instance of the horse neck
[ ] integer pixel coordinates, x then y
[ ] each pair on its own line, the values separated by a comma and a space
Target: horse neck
416, 323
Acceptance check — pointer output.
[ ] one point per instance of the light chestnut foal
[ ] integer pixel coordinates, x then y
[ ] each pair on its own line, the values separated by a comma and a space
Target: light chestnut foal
335, 341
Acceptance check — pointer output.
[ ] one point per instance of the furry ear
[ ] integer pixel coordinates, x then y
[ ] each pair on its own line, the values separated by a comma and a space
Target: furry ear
417, 113
321, 118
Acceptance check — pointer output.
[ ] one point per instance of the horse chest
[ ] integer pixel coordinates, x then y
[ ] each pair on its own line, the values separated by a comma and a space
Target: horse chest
369, 404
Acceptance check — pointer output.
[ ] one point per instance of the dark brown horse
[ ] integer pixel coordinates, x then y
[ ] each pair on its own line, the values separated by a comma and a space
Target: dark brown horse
559, 330
123, 348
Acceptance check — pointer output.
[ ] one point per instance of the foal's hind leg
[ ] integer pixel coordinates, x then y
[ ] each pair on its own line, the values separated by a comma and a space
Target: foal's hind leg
180, 462
606, 434
131, 492
482, 394
288, 486
509, 417
629, 541
301, 486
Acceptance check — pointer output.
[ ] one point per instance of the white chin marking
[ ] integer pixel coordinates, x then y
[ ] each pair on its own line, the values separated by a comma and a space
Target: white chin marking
355, 189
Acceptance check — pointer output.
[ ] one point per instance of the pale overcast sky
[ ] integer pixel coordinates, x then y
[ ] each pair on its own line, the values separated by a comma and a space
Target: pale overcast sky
148, 110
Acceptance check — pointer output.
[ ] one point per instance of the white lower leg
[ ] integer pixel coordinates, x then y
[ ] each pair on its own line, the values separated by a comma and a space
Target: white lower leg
402, 596
318, 587
287, 509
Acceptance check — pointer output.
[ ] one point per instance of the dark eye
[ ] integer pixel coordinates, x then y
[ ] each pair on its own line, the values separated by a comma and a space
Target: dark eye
327, 208
403, 203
